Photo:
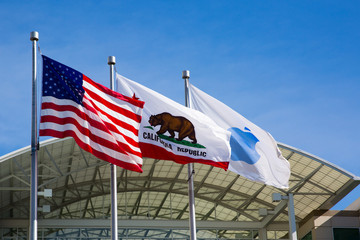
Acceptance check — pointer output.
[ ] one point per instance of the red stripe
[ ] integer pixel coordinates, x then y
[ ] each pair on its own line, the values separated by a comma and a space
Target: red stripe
117, 95
120, 146
93, 123
94, 108
156, 152
125, 112
99, 154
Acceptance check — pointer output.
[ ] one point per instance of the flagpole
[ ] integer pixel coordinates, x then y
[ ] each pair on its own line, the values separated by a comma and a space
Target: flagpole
114, 215
34, 37
192, 221
291, 214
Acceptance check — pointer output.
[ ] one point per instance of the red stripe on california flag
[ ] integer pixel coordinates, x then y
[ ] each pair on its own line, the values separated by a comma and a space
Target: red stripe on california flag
112, 93
118, 146
156, 152
88, 148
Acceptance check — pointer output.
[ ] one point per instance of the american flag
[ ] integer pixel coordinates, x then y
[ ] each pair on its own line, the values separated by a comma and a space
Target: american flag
102, 122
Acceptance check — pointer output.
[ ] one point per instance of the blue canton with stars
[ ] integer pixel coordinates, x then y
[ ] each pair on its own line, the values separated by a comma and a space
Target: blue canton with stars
61, 81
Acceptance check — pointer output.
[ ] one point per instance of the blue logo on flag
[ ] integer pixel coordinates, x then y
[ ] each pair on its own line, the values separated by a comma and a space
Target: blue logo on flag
242, 145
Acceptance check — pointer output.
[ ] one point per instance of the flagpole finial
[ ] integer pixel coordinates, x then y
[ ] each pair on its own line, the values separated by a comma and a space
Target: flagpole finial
186, 74
34, 36
111, 60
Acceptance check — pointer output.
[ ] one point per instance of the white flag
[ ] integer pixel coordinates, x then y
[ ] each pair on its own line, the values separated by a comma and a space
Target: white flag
254, 152
171, 131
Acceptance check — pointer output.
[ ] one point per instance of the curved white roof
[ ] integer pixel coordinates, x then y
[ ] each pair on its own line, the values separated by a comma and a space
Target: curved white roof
80, 186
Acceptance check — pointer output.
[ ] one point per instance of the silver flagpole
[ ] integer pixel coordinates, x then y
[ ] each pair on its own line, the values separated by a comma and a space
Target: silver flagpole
291, 214
34, 37
192, 221
114, 215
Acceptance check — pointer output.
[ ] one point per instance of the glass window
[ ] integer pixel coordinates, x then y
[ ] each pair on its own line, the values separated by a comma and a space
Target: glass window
308, 236
346, 234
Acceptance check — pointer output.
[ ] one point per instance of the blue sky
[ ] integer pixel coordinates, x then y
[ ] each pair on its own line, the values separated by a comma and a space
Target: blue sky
291, 67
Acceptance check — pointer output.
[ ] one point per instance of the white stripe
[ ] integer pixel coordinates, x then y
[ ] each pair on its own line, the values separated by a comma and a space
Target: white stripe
109, 98
64, 102
133, 159
118, 102
108, 110
119, 117
113, 137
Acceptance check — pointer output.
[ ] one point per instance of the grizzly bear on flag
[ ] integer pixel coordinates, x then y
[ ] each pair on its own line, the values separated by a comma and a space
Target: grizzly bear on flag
172, 124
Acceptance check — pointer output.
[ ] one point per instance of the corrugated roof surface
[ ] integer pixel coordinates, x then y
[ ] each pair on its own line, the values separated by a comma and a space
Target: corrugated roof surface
81, 187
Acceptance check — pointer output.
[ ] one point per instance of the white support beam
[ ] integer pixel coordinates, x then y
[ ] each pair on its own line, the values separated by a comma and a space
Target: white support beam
14, 189
140, 224
291, 213
270, 218
263, 234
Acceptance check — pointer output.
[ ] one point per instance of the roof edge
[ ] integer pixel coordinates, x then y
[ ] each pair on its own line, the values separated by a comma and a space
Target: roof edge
28, 148
318, 159
288, 147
